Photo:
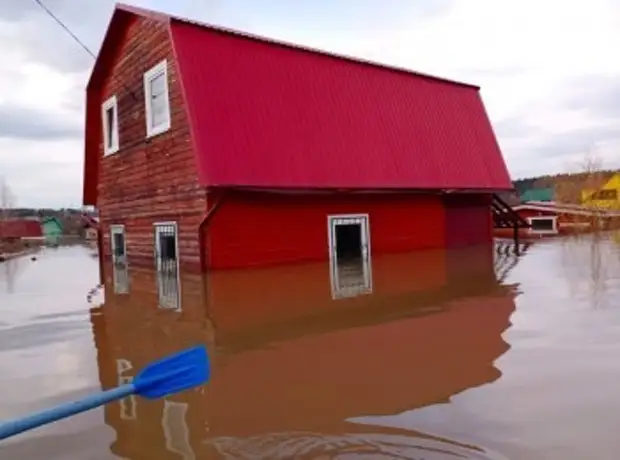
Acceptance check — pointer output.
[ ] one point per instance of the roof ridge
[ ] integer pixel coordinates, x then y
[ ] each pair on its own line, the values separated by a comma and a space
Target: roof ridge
161, 16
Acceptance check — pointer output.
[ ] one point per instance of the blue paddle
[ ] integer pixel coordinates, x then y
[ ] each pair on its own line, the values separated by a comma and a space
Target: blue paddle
173, 374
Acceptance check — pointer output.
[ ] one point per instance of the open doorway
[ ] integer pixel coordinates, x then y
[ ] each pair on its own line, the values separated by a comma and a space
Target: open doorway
349, 248
167, 265
348, 240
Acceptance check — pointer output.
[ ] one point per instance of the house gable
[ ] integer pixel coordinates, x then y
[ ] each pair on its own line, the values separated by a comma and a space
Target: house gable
115, 35
151, 177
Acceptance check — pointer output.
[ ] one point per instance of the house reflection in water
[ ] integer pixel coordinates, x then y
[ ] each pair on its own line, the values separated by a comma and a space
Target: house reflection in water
291, 364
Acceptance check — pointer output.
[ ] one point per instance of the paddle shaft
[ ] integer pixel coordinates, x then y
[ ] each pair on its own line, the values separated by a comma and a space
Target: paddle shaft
13, 427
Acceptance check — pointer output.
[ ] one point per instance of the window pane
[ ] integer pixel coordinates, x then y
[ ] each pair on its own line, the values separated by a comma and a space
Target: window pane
110, 128
159, 103
542, 224
167, 244
610, 194
159, 110
158, 85
119, 244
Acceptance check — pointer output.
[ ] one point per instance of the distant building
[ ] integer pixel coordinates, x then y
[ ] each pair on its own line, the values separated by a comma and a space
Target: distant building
17, 233
208, 148
606, 197
52, 230
540, 195
14, 229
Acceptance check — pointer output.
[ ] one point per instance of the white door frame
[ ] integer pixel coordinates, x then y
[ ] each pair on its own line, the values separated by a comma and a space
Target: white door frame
158, 228
119, 229
128, 403
363, 220
175, 414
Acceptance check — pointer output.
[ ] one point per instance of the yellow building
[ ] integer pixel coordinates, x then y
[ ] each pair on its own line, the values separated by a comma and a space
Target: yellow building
606, 197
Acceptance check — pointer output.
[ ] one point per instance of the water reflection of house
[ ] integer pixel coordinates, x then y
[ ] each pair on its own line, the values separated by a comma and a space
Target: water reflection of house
288, 358
413, 164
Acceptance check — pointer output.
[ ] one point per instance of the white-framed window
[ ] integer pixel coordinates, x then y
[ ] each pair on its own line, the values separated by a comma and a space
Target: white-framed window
156, 99
543, 225
109, 116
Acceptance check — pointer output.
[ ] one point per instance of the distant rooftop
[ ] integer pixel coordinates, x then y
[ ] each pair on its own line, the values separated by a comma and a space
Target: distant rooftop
538, 194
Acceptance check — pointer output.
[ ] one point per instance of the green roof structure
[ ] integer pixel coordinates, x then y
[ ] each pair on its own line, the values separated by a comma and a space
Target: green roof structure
537, 194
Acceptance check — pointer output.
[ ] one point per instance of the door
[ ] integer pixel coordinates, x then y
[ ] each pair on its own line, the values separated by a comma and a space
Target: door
167, 265
350, 255
120, 269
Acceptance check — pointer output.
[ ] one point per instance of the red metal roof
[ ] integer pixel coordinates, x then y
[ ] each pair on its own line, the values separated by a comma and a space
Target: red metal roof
20, 228
270, 114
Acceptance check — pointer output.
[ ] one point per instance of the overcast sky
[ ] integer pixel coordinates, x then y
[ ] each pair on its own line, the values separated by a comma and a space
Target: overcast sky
549, 71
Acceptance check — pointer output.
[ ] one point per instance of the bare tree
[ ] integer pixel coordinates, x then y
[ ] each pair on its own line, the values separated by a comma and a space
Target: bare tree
6, 203
7, 200
590, 176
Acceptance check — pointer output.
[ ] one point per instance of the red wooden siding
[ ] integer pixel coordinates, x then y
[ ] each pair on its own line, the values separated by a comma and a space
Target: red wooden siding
20, 228
468, 220
147, 182
261, 229
270, 115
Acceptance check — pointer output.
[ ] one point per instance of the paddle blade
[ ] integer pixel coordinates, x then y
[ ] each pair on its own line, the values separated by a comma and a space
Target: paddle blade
173, 374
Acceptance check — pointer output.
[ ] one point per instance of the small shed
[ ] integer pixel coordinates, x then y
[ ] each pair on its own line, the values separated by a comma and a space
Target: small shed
538, 195
52, 229
90, 225
14, 234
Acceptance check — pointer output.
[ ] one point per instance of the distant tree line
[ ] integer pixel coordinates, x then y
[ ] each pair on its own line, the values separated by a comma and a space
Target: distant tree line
567, 186
44, 212
546, 181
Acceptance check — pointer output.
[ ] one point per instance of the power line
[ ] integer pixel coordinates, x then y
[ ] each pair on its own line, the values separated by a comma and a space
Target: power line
79, 42
62, 24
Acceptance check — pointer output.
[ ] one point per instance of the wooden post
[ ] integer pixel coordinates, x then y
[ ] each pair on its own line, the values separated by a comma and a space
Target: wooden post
515, 229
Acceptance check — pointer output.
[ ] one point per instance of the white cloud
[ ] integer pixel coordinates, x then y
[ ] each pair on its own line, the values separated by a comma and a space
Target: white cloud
540, 65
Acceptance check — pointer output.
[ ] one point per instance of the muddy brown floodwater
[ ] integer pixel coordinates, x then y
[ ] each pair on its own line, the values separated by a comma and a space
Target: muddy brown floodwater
470, 355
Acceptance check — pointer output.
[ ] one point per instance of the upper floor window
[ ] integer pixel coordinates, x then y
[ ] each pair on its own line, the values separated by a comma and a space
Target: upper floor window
156, 99
605, 194
109, 115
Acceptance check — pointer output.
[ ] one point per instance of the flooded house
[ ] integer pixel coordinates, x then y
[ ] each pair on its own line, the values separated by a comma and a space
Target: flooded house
208, 148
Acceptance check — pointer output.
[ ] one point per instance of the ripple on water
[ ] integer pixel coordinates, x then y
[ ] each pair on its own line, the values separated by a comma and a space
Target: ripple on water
276, 446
